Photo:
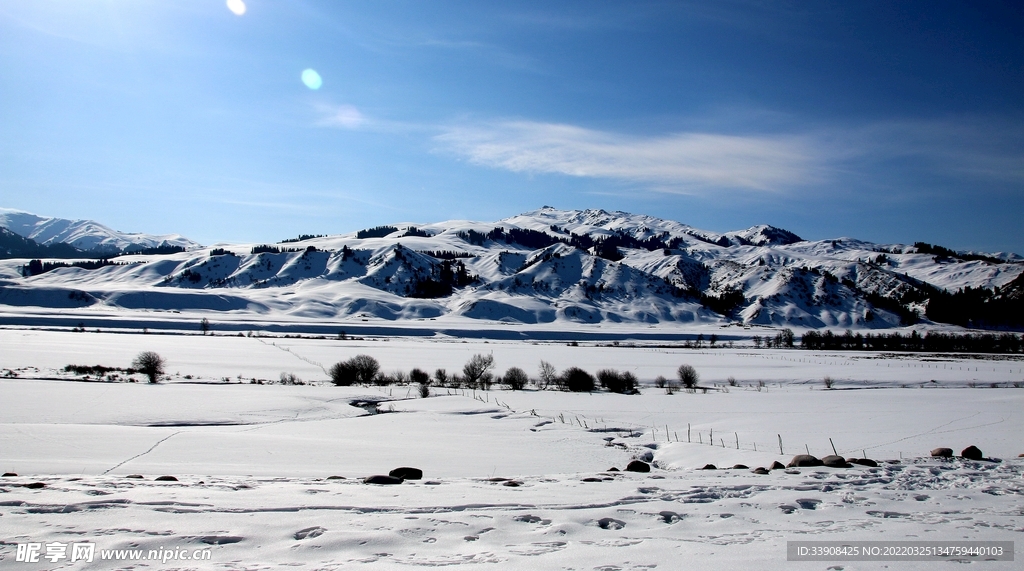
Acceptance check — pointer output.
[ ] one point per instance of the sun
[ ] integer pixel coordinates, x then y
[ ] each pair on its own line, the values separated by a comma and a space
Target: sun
236, 6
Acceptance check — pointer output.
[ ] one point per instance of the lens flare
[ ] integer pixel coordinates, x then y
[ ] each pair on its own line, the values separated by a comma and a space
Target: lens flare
236, 6
312, 79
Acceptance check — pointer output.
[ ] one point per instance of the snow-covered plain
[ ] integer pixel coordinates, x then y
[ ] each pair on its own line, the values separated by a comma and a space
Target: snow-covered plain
253, 460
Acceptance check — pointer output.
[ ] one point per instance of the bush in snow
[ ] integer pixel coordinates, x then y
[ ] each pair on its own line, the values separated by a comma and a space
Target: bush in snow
358, 369
441, 378
688, 376
477, 371
617, 382
515, 379
548, 375
419, 376
150, 364
577, 380
660, 382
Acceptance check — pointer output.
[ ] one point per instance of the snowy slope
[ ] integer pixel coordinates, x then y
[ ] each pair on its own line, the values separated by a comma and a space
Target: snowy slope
544, 266
84, 234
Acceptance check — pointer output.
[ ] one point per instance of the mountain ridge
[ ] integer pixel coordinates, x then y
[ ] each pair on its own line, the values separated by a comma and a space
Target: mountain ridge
86, 235
548, 266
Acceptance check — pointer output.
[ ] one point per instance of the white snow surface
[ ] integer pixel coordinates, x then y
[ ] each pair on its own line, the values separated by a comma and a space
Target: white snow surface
83, 234
785, 282
252, 461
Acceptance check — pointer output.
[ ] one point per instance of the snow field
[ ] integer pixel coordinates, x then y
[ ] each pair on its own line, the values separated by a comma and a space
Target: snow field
253, 460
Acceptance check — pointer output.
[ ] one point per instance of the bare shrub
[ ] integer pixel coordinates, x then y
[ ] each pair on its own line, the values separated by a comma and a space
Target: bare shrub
515, 379
660, 381
732, 381
616, 382
548, 375
575, 379
828, 382
359, 369
419, 377
441, 378
150, 364
290, 379
688, 376
477, 371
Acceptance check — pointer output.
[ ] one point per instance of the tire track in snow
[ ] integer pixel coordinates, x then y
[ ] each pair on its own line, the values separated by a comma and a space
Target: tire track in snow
151, 448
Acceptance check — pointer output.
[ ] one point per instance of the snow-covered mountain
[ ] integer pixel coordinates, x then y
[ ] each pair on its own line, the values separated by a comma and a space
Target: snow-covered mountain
85, 235
548, 265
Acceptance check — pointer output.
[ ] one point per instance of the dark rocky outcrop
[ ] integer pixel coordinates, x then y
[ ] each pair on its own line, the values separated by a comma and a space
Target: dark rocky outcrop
760, 470
382, 480
942, 453
166, 479
709, 467
804, 461
407, 473
776, 465
135, 476
35, 485
740, 467
8, 475
638, 466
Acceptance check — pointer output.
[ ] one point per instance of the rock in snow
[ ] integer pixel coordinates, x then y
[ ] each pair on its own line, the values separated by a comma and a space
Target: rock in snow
972, 453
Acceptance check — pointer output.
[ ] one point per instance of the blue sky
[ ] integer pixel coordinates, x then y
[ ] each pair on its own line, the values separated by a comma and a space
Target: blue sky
886, 121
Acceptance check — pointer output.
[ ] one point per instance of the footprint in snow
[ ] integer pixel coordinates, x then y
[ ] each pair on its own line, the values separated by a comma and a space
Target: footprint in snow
532, 519
610, 523
670, 517
808, 504
309, 532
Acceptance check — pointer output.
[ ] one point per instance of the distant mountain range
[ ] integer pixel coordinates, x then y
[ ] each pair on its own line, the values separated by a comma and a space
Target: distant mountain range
84, 237
544, 266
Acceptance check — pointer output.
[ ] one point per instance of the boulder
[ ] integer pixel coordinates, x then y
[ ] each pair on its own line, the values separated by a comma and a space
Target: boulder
638, 466
804, 461
614, 469
942, 453
135, 476
12, 474
335, 477
863, 462
166, 479
833, 461
35, 485
512, 484
709, 467
776, 465
407, 473
972, 453
760, 470
740, 467
382, 480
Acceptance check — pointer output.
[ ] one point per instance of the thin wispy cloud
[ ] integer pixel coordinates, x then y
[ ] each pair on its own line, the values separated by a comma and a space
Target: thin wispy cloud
685, 162
340, 116
975, 147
